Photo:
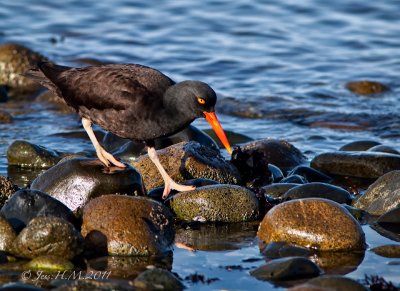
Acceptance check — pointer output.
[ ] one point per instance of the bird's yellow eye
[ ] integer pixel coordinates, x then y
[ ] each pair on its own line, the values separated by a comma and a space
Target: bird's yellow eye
201, 100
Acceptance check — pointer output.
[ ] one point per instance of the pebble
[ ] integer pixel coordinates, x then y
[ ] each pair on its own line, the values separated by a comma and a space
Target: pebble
359, 145
158, 279
224, 203
387, 251
310, 174
366, 87
294, 179
7, 236
127, 226
384, 149
330, 283
315, 223
50, 264
5, 117
7, 188
277, 190
75, 181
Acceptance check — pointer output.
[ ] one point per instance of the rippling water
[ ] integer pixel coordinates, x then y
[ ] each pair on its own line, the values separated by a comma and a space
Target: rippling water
279, 67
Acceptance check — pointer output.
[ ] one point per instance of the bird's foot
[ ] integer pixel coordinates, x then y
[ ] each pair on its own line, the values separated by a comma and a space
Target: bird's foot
106, 158
172, 185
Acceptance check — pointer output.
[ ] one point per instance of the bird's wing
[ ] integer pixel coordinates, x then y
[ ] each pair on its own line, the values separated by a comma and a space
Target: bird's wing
117, 87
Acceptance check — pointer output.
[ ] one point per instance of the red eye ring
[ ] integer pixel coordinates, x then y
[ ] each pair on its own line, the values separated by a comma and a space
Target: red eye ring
201, 101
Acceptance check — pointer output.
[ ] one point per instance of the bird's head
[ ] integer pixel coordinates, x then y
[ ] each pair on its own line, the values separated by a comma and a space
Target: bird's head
196, 99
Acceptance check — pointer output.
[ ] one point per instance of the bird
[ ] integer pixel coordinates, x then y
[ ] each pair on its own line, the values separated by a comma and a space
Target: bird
133, 101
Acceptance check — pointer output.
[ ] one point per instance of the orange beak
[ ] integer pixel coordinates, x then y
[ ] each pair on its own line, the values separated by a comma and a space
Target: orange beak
216, 126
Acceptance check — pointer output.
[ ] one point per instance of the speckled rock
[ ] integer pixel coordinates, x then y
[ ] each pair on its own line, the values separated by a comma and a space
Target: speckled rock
382, 196
314, 223
384, 149
185, 161
157, 279
226, 203
277, 152
25, 154
278, 189
7, 188
366, 87
387, 251
75, 181
48, 236
356, 164
359, 145
289, 268
50, 264
320, 190
123, 231
15, 60
26, 204
330, 283
5, 117
7, 235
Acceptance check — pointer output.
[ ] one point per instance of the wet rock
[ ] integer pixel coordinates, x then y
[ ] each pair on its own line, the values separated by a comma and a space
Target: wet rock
185, 161
5, 117
277, 190
48, 236
50, 264
366, 87
89, 285
310, 174
75, 181
233, 137
357, 164
294, 179
26, 204
225, 203
315, 223
289, 268
276, 250
157, 193
7, 235
357, 213
382, 196
320, 190
387, 251
20, 287
7, 188
384, 149
132, 226
359, 145
388, 224
216, 236
277, 152
25, 154
3, 94
276, 173
56, 102
331, 283
128, 150
15, 60
157, 279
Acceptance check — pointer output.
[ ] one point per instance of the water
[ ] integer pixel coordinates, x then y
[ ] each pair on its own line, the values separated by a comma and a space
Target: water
279, 68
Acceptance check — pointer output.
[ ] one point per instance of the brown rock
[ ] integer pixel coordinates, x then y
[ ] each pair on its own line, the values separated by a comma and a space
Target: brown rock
366, 87
124, 225
7, 235
7, 188
187, 160
314, 223
5, 117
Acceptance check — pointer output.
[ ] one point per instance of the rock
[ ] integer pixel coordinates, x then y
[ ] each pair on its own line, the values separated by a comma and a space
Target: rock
48, 236
50, 264
75, 181
277, 190
20, 287
289, 268
157, 279
276, 250
320, 190
27, 204
383, 195
131, 226
89, 285
15, 60
233, 137
277, 174
277, 152
25, 154
310, 174
388, 224
7, 188
315, 223
366, 87
185, 161
7, 235
359, 145
339, 263
56, 102
384, 149
294, 179
331, 283
357, 164
225, 203
387, 251
3, 94
5, 117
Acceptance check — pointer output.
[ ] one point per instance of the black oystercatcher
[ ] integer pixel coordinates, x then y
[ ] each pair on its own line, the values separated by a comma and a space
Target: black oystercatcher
131, 101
